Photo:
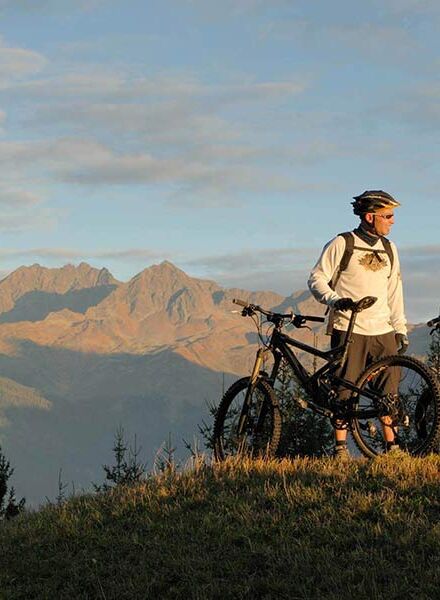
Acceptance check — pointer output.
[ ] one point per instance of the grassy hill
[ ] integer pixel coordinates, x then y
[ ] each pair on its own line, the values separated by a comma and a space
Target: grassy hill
297, 529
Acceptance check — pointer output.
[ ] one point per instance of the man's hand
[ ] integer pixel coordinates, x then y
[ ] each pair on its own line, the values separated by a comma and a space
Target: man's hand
344, 304
402, 342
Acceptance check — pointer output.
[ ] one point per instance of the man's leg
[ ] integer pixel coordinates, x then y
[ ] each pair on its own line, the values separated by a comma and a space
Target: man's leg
354, 365
381, 346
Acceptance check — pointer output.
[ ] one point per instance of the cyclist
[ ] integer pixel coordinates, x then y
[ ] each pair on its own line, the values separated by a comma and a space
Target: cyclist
372, 270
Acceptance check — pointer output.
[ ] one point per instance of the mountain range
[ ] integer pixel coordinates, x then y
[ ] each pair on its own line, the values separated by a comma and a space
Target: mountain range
82, 353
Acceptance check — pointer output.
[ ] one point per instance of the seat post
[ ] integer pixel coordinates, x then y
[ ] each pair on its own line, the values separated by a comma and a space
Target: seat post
348, 339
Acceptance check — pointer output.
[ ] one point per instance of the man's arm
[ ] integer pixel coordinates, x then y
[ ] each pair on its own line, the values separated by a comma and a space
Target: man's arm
324, 270
395, 296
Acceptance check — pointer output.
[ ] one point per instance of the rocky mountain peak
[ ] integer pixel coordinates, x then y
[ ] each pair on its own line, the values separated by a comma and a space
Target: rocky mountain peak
36, 278
165, 287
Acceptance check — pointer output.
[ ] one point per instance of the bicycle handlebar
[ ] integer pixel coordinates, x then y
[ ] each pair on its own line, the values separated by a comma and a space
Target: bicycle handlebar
433, 322
297, 320
240, 302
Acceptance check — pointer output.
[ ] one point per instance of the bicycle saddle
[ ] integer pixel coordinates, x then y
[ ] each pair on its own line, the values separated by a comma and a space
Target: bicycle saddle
364, 303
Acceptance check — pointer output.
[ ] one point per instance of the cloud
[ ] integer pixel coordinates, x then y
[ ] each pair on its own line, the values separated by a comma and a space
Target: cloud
417, 107
238, 8
50, 6
13, 198
136, 254
163, 123
373, 41
24, 211
16, 63
427, 8
280, 269
86, 162
421, 252
72, 254
254, 259
99, 82
212, 10
189, 175
195, 130
49, 253
20, 223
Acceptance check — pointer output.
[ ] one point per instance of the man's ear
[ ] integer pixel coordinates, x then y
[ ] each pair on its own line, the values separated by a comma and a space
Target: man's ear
369, 218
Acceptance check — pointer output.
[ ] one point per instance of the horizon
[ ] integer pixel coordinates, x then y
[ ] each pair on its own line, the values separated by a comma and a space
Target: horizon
226, 139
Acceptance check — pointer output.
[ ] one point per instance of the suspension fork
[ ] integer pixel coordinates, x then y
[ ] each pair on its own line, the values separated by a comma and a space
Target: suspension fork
250, 390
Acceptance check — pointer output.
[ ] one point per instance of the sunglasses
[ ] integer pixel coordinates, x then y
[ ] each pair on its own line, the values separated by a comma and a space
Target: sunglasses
388, 217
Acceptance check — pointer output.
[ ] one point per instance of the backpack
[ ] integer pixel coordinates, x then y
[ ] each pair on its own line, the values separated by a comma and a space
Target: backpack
345, 260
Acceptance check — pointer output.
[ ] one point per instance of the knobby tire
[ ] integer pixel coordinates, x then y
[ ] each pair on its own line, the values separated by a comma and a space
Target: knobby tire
264, 410
418, 401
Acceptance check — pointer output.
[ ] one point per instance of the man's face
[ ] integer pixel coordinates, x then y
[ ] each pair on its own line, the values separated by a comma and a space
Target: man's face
381, 221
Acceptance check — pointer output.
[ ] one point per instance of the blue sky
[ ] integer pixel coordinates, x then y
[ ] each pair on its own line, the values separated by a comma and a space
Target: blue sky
227, 137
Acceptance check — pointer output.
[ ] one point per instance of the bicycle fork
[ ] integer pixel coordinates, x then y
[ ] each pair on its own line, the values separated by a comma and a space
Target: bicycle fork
250, 391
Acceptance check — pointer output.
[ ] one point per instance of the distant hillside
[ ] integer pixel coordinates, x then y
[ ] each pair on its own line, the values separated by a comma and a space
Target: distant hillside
297, 529
84, 353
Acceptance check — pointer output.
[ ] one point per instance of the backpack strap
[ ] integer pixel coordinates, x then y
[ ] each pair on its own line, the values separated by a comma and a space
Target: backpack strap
348, 253
343, 264
387, 245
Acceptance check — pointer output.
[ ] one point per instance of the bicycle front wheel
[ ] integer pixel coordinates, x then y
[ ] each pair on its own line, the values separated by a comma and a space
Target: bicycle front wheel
412, 394
260, 421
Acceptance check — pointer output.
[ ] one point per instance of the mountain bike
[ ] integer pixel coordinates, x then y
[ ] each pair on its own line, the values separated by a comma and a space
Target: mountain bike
397, 390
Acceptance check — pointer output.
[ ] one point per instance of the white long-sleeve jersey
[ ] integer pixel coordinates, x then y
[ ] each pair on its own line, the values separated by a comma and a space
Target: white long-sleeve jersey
369, 273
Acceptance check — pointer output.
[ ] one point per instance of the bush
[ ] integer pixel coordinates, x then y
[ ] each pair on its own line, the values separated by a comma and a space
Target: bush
9, 507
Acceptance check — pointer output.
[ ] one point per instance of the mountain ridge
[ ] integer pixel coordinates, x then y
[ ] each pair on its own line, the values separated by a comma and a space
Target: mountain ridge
161, 306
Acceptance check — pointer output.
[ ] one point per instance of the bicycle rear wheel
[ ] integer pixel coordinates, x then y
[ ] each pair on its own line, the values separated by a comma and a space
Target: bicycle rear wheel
415, 406
262, 422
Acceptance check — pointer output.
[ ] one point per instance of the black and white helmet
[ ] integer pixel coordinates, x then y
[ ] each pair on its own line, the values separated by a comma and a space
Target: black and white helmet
372, 201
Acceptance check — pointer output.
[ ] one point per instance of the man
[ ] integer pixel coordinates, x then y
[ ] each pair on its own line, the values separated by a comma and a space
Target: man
373, 270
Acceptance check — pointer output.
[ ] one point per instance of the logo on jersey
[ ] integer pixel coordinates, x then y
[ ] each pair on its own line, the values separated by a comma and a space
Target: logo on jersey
372, 261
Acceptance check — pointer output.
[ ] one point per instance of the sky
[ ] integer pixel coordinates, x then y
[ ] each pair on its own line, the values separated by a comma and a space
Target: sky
226, 137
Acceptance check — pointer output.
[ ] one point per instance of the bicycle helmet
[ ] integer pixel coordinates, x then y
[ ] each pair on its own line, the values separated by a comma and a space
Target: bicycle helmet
373, 201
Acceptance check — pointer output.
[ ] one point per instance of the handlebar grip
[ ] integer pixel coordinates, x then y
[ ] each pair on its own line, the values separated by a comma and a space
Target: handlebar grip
433, 322
240, 302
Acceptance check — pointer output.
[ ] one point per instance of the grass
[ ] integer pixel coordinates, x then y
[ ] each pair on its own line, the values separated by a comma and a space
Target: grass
300, 529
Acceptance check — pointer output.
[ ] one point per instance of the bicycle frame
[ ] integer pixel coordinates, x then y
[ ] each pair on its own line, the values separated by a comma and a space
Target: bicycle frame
334, 358
279, 346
